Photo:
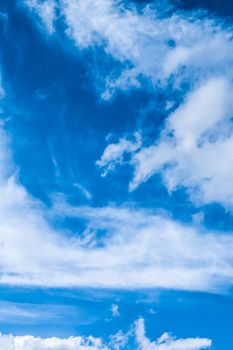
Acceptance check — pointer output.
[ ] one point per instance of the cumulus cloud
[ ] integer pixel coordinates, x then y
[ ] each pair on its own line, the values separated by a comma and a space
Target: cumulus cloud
118, 341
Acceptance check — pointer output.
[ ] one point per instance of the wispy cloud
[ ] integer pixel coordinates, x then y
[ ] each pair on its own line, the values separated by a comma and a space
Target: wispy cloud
139, 249
182, 48
185, 59
26, 313
155, 42
184, 54
177, 48
46, 10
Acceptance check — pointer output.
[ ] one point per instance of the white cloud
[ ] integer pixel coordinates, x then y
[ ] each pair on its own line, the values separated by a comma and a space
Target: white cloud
195, 149
84, 191
168, 342
140, 249
169, 50
114, 153
46, 10
151, 43
9, 342
12, 313
118, 341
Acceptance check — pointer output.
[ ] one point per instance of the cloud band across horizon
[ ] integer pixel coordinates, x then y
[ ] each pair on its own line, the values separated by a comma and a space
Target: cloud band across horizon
136, 337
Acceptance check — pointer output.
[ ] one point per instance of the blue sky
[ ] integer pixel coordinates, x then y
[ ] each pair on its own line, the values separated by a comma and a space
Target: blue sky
116, 158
